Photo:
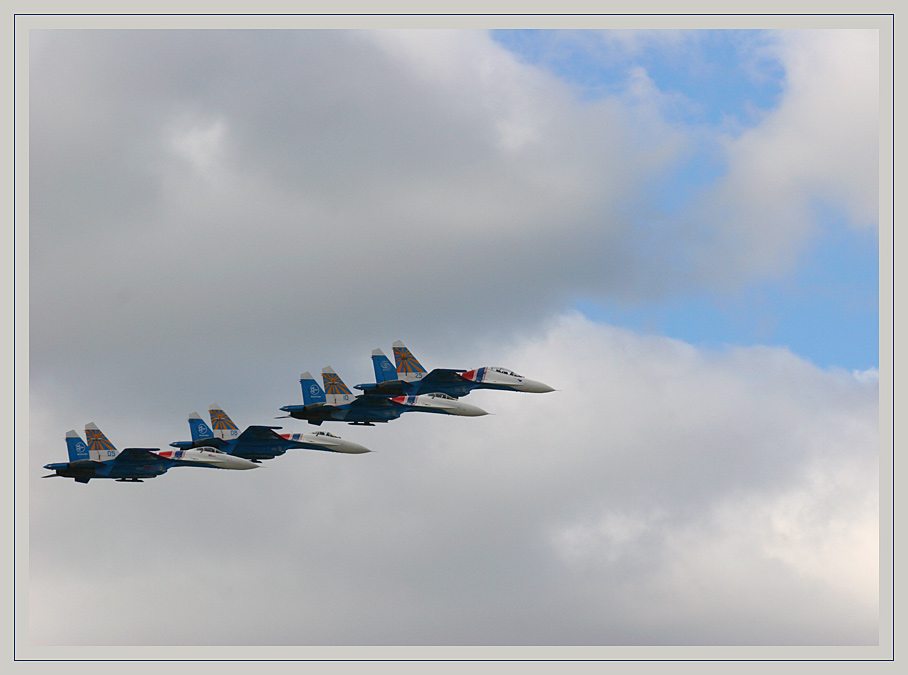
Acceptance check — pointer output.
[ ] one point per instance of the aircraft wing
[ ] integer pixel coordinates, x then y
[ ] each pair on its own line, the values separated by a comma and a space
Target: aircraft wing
442, 376
137, 455
372, 402
386, 388
142, 456
439, 380
201, 443
258, 434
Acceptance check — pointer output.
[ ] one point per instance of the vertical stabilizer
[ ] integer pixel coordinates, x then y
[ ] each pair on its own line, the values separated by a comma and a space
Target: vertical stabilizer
223, 426
99, 448
384, 369
408, 368
198, 427
76, 447
312, 393
336, 392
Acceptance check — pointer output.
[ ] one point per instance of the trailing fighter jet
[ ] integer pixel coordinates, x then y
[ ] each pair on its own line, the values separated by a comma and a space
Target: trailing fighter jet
336, 402
409, 377
259, 442
100, 459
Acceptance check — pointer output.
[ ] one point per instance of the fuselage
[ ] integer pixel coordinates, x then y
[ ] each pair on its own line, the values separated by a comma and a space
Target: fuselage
438, 402
324, 440
208, 457
368, 409
136, 464
493, 377
316, 413
456, 383
85, 469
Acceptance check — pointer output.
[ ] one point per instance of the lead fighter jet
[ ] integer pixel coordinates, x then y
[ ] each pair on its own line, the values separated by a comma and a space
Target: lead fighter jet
409, 377
100, 459
337, 403
259, 442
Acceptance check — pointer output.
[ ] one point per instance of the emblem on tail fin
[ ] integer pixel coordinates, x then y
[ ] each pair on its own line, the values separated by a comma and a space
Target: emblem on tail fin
223, 426
198, 428
99, 448
408, 368
312, 393
336, 392
76, 447
384, 369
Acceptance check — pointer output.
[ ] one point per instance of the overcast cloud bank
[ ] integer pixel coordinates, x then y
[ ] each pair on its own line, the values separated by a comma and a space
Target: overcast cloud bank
212, 213
665, 495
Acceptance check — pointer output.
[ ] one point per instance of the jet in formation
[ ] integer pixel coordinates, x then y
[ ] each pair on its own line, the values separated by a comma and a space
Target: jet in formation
258, 442
408, 377
404, 386
98, 458
337, 403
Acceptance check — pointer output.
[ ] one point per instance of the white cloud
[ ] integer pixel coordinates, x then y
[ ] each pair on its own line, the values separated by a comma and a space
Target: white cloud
820, 146
432, 188
199, 143
659, 489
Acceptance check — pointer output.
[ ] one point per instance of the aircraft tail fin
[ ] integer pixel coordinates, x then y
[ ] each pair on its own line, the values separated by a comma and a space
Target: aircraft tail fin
408, 368
312, 392
223, 426
76, 447
336, 392
384, 369
99, 448
199, 428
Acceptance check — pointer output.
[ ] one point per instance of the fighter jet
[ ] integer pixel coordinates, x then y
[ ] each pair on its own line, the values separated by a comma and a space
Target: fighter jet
100, 459
258, 442
336, 402
409, 377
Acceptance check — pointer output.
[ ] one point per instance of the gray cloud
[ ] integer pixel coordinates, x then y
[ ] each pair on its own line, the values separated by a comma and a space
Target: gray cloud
212, 213
665, 495
262, 187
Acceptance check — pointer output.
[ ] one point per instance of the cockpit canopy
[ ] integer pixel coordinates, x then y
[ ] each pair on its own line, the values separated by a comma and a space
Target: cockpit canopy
440, 395
504, 371
325, 433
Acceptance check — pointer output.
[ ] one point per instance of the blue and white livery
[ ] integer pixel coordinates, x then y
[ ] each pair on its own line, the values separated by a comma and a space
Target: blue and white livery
258, 442
409, 377
337, 403
98, 458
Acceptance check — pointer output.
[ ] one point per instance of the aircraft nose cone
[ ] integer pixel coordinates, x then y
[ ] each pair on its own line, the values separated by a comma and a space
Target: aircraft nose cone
534, 387
241, 463
470, 410
355, 448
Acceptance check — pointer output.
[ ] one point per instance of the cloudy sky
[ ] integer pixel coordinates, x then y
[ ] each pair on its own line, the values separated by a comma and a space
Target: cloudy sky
678, 230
